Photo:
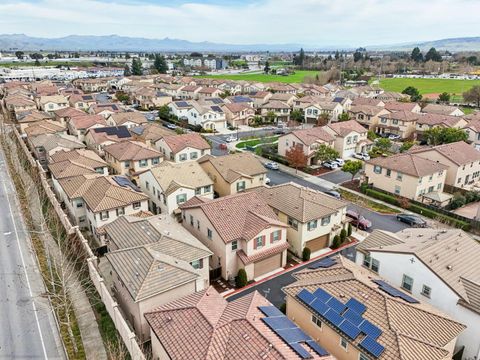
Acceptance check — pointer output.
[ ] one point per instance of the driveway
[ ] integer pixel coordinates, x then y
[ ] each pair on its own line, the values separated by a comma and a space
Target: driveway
337, 176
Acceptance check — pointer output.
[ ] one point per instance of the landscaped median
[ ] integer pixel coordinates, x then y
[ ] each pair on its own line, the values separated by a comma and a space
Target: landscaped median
252, 143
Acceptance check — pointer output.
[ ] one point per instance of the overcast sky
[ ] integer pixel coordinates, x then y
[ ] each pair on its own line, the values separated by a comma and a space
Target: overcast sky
315, 23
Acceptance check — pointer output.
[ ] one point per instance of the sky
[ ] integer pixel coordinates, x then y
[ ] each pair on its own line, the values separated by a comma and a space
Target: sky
314, 23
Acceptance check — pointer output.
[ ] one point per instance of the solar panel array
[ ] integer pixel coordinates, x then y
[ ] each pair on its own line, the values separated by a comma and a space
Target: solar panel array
324, 263
290, 333
119, 131
239, 99
125, 182
216, 100
182, 104
389, 289
216, 108
346, 318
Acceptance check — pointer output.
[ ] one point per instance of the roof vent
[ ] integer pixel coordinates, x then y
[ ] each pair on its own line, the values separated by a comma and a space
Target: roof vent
169, 318
246, 336
449, 267
137, 274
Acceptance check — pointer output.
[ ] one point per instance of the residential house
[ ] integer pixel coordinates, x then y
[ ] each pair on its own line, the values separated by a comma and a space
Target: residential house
183, 147
402, 123
131, 158
153, 261
241, 230
94, 200
128, 119
150, 133
442, 110
431, 120
308, 139
52, 103
367, 115
260, 98
45, 145
239, 99
18, 104
355, 314
472, 128
462, 162
149, 98
204, 325
330, 109
81, 101
394, 106
234, 173
314, 218
98, 137
407, 175
170, 184
104, 109
280, 110
65, 114
350, 138
438, 266
189, 92
287, 98
43, 127
208, 92
210, 117
360, 101
29, 117
389, 96
79, 125
238, 114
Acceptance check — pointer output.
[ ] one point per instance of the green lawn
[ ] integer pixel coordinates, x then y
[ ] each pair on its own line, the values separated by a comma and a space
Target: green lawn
255, 142
295, 78
429, 86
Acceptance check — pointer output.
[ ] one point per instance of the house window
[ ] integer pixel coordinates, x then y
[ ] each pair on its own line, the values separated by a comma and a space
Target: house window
181, 198
367, 260
126, 164
209, 234
375, 265
198, 224
426, 291
120, 211
155, 161
193, 155
349, 140
197, 264
136, 205
99, 170
143, 162
439, 186
79, 204
362, 357
259, 242
147, 185
311, 225
104, 215
399, 176
388, 173
276, 235
344, 343
459, 180
355, 139
207, 189
191, 220
420, 180
431, 188
293, 223
377, 169
430, 178
182, 157
407, 283
326, 220
82, 219
240, 186
316, 321
234, 245
198, 191
398, 189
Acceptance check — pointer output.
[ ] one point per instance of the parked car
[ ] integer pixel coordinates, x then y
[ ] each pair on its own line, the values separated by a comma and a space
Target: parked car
365, 156
412, 220
271, 165
278, 131
394, 137
330, 165
171, 126
339, 161
361, 156
358, 220
231, 138
267, 181
333, 193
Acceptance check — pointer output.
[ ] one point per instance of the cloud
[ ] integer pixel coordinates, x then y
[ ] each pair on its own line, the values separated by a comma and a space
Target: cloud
311, 22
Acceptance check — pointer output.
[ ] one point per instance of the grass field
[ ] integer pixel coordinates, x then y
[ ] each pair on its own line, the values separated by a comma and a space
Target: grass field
429, 86
295, 78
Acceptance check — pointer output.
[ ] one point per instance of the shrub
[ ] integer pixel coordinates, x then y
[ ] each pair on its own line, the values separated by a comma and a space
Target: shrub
381, 196
404, 202
363, 188
458, 201
349, 229
283, 308
241, 279
470, 196
336, 242
306, 254
343, 235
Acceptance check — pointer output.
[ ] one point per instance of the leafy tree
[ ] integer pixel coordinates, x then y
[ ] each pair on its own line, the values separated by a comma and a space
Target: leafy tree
323, 119
137, 67
413, 93
37, 63
36, 56
437, 136
127, 56
127, 71
266, 69
473, 95
270, 117
164, 112
306, 254
433, 55
357, 56
297, 115
383, 144
241, 280
472, 60
352, 167
301, 57
337, 55
257, 120
296, 157
343, 235
19, 54
122, 96
336, 242
444, 97
225, 94
416, 55
371, 135
406, 145
344, 116
160, 64
326, 153
196, 54
349, 229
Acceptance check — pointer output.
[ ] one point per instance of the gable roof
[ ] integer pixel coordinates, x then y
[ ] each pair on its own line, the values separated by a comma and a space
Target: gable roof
439, 109
129, 116
151, 131
53, 141
410, 164
402, 115
44, 127
234, 166
179, 142
74, 162
400, 106
109, 133
238, 216
458, 152
439, 119
371, 110
131, 150
343, 128
86, 121
68, 112
310, 136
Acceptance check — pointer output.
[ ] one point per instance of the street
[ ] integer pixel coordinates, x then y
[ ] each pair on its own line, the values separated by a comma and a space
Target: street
27, 324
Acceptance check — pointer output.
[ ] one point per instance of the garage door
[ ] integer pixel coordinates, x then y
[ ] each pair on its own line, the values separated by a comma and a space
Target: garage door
266, 265
318, 243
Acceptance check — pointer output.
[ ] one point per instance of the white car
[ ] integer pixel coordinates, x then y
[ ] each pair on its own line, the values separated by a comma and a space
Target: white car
267, 181
231, 139
361, 156
339, 161
330, 165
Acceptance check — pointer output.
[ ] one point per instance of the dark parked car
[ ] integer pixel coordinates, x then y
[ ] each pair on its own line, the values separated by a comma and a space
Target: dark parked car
279, 131
358, 220
412, 220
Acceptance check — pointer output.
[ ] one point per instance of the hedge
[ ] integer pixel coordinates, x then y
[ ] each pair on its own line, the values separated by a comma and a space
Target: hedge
381, 196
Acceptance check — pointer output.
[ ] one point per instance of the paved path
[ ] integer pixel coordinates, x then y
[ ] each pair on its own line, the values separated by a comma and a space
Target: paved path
27, 326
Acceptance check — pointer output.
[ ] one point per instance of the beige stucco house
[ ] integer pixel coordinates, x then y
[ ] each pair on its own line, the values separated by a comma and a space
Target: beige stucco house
367, 115
402, 123
350, 138
184, 147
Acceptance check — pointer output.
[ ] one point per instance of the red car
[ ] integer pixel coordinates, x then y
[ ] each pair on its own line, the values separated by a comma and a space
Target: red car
358, 220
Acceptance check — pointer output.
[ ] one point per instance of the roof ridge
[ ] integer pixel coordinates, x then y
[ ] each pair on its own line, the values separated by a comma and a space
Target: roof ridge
399, 334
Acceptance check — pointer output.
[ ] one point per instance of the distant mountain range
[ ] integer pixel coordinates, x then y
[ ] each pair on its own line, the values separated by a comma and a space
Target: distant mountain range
125, 43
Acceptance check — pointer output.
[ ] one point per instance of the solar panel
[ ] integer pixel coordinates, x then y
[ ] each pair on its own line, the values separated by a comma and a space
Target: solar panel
306, 296
369, 329
271, 311
372, 346
389, 289
349, 329
293, 335
317, 348
333, 317
216, 108
216, 100
324, 263
298, 348
319, 307
124, 182
353, 317
181, 103
336, 305
279, 323
356, 306
322, 295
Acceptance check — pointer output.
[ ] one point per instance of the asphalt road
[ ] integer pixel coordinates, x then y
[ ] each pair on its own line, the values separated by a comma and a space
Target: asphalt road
27, 326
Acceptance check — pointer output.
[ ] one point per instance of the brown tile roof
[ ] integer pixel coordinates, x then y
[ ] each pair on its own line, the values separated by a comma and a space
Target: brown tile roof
234, 166
259, 94
474, 125
458, 152
366, 109
310, 136
208, 90
275, 104
68, 112
282, 97
151, 131
18, 100
258, 256
407, 329
439, 109
205, 326
366, 101
438, 119
130, 116
74, 162
131, 150
179, 142
343, 128
99, 192
301, 203
44, 127
239, 216
86, 121
54, 141
400, 106
237, 107
409, 164
98, 108
57, 99
109, 133
402, 115
32, 116
172, 176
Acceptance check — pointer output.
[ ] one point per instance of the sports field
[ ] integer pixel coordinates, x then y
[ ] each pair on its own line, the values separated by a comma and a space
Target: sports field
294, 78
429, 86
